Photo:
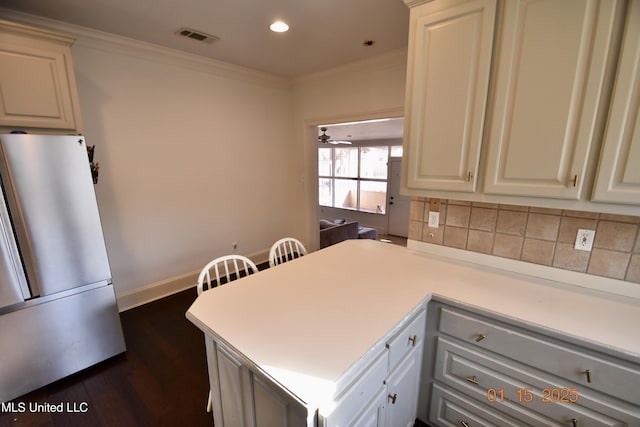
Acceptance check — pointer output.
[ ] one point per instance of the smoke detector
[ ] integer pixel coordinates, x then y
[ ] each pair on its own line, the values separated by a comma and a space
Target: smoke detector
196, 35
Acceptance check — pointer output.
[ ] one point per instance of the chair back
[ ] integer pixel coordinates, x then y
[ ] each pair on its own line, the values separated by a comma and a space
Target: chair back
285, 250
224, 270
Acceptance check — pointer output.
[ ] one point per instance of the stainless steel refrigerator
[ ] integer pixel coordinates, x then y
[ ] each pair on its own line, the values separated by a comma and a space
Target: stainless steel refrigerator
58, 311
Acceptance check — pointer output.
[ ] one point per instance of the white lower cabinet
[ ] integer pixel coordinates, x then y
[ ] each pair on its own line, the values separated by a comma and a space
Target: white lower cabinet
380, 391
393, 396
487, 372
373, 414
478, 370
402, 391
362, 392
243, 398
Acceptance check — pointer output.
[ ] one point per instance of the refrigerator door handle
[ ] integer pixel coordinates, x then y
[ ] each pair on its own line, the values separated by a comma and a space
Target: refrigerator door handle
15, 287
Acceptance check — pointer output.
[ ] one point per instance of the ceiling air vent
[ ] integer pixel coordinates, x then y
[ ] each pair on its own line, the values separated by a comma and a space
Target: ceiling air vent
196, 35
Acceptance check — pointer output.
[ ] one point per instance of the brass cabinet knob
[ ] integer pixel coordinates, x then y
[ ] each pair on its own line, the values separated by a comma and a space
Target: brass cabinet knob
588, 372
575, 422
393, 398
413, 340
480, 337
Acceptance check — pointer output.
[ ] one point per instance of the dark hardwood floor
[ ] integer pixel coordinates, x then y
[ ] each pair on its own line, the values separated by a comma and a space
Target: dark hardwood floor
161, 380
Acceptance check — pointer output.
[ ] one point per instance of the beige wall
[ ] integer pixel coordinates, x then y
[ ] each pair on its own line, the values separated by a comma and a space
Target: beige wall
362, 90
191, 162
537, 235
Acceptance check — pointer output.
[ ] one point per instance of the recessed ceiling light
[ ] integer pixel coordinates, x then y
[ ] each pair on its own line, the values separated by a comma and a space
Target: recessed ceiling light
279, 27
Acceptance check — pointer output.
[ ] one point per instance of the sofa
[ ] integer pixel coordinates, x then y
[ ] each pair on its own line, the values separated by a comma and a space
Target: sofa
335, 232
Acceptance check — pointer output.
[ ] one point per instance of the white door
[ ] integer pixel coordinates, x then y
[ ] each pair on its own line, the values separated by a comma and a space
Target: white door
398, 205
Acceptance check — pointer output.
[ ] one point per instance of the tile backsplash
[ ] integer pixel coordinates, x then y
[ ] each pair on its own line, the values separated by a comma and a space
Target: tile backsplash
537, 235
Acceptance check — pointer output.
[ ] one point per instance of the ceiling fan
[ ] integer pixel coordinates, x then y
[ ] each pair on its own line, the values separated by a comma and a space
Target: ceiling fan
326, 139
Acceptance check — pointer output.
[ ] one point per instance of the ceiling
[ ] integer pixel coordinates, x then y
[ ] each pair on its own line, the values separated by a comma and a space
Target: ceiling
391, 128
323, 33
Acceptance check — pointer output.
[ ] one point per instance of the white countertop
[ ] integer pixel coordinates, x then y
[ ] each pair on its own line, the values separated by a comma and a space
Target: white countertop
306, 322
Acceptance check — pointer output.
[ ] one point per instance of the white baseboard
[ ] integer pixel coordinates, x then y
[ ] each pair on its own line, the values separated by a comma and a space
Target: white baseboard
154, 291
164, 288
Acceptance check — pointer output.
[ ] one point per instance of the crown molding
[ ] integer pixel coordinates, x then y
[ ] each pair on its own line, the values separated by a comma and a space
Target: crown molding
107, 42
30, 31
414, 3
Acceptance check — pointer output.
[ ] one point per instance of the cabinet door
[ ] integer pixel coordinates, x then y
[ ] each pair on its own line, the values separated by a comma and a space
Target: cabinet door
273, 408
447, 79
618, 178
373, 414
37, 80
242, 398
402, 392
551, 66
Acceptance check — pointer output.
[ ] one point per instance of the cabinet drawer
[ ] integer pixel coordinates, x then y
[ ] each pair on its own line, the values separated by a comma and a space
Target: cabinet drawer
524, 393
359, 393
615, 377
409, 337
451, 409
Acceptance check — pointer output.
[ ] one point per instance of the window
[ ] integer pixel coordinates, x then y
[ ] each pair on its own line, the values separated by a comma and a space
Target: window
355, 177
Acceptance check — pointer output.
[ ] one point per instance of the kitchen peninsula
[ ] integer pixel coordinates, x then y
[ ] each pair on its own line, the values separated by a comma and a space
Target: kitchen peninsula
365, 333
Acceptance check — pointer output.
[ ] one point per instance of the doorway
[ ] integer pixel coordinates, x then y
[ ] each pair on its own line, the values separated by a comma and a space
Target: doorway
355, 169
398, 205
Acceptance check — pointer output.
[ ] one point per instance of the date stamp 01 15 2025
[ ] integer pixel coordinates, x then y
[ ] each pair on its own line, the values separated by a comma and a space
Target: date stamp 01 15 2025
526, 395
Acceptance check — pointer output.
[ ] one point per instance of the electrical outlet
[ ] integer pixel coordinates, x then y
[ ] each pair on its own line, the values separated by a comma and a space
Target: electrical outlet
434, 219
584, 239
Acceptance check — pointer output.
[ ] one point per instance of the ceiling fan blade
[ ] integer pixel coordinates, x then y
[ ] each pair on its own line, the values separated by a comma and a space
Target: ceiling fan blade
324, 138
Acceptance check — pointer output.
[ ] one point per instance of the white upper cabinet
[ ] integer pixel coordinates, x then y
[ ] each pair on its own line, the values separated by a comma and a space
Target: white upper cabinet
38, 87
448, 75
551, 66
559, 82
618, 178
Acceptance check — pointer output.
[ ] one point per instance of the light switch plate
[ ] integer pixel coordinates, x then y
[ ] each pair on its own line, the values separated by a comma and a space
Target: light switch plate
434, 219
584, 239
